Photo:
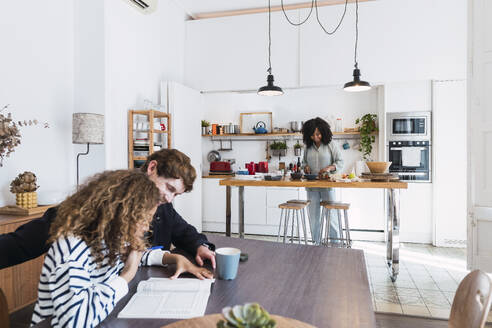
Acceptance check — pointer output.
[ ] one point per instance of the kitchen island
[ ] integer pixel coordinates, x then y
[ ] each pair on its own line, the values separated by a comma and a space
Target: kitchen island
392, 206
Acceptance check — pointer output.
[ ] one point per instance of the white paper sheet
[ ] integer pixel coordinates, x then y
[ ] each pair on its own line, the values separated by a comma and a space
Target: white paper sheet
163, 298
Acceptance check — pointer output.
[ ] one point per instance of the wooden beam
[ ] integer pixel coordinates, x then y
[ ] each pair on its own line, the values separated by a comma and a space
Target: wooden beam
250, 11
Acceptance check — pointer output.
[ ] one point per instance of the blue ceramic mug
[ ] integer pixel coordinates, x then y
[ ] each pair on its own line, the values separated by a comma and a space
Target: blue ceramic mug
227, 262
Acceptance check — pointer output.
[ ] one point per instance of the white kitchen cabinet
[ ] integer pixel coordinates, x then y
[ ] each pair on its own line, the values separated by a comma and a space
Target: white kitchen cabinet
214, 203
416, 224
254, 206
275, 197
366, 212
214, 207
449, 159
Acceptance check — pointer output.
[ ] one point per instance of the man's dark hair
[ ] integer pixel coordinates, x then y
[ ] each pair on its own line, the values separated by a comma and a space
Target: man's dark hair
310, 126
171, 163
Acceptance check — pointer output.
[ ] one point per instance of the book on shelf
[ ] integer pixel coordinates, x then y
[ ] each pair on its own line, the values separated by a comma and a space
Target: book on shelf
163, 298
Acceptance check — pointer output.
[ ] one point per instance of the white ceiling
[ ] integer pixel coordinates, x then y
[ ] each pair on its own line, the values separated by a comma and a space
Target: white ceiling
193, 7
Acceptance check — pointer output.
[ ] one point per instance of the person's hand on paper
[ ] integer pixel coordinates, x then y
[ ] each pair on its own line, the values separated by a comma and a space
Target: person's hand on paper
184, 265
131, 265
204, 253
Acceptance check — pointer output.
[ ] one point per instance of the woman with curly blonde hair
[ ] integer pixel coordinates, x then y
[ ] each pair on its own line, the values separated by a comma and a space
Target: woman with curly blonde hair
97, 245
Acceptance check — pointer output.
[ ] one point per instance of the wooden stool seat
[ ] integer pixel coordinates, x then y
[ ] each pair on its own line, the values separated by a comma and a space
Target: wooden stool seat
299, 201
335, 205
292, 206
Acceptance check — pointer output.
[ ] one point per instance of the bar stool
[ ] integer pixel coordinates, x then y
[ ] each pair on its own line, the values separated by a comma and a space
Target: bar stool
325, 223
291, 210
306, 211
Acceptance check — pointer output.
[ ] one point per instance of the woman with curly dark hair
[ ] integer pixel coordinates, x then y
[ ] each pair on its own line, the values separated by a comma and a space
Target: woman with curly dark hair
97, 245
320, 155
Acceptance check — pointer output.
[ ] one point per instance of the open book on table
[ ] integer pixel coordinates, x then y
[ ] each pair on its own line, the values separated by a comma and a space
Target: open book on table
163, 298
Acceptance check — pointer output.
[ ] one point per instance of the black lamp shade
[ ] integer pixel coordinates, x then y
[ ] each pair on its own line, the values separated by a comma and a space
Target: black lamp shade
270, 89
356, 85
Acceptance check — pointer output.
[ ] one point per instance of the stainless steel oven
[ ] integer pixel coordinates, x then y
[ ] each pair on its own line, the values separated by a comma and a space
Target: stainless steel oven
409, 126
409, 145
411, 160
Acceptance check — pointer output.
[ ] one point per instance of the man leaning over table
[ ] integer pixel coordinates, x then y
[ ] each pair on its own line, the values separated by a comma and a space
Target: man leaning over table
173, 174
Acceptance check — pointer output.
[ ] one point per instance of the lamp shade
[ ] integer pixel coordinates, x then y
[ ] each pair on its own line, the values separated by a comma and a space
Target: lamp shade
270, 89
87, 128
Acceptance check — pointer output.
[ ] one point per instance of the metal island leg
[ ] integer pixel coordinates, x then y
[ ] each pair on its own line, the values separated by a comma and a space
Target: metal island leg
393, 228
241, 211
228, 211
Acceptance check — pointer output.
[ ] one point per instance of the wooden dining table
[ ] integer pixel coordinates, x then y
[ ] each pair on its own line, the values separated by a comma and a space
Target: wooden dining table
392, 207
323, 287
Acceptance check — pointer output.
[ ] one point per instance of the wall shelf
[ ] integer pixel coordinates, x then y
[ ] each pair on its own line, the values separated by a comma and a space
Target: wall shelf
267, 136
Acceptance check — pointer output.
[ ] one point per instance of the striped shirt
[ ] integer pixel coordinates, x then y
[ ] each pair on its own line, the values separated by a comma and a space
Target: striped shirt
73, 291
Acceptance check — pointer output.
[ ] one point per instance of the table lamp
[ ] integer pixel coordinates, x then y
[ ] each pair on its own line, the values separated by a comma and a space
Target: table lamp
87, 128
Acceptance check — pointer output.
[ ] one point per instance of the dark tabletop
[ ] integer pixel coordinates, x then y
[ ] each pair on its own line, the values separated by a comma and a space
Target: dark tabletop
325, 287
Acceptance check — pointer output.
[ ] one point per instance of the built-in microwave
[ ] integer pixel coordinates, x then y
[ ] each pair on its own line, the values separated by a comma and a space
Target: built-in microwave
409, 126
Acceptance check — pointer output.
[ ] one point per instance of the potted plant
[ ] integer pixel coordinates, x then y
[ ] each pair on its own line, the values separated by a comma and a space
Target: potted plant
205, 127
297, 149
24, 187
279, 148
367, 127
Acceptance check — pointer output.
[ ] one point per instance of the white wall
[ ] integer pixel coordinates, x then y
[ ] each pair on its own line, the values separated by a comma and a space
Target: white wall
37, 79
60, 57
89, 91
400, 40
141, 51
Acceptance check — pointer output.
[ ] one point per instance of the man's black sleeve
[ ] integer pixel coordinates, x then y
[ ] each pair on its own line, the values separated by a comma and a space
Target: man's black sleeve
184, 235
27, 242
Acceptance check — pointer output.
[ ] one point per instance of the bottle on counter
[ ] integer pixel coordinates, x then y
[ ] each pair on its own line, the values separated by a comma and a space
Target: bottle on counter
298, 164
338, 125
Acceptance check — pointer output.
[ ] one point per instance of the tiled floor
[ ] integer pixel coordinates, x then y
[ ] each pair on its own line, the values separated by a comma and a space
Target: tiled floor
428, 279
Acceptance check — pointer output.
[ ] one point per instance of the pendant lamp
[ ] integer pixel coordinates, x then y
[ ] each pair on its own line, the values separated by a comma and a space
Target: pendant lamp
270, 89
356, 85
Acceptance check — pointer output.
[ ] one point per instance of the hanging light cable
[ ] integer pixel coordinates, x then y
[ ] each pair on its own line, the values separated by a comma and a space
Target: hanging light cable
291, 22
270, 89
356, 85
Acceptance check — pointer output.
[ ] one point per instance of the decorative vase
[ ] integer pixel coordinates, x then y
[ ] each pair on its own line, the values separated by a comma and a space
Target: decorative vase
26, 199
297, 151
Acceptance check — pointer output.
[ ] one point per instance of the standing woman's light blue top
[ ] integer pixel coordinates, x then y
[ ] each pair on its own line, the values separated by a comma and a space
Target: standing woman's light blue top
319, 158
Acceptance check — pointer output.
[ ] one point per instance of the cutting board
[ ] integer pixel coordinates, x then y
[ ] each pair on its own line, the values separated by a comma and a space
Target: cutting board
380, 176
210, 321
16, 210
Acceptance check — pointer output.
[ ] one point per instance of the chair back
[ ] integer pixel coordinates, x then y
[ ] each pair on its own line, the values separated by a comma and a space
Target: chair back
471, 303
4, 311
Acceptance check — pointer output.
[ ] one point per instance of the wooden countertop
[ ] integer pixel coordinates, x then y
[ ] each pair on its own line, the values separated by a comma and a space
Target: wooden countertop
216, 176
312, 184
8, 219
